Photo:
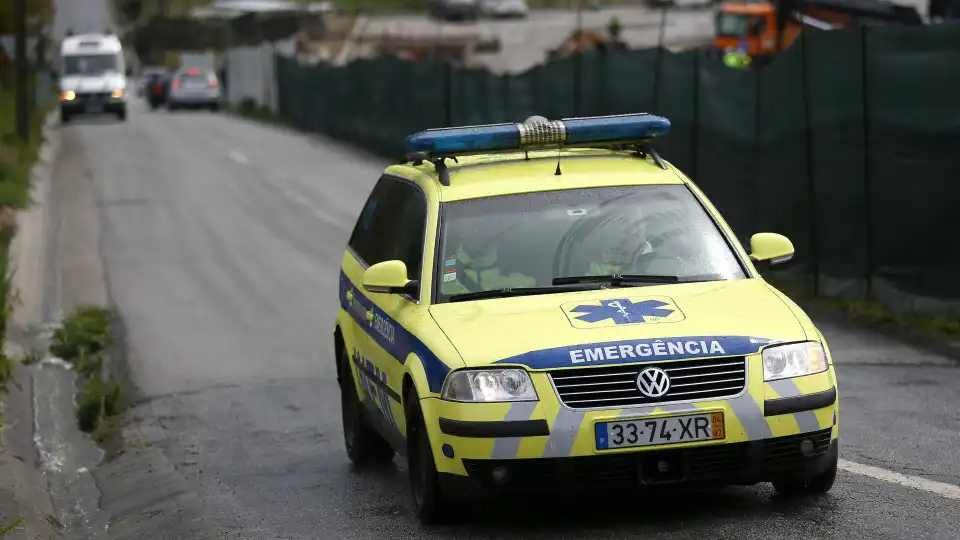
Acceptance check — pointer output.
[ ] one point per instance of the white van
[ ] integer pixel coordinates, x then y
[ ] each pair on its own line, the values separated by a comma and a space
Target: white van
92, 76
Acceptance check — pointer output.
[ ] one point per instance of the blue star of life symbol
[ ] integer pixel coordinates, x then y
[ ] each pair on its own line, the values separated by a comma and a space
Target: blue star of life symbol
622, 311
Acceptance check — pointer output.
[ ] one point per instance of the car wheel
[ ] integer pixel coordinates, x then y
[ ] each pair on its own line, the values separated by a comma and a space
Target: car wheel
122, 115
429, 503
811, 485
64, 117
215, 107
363, 444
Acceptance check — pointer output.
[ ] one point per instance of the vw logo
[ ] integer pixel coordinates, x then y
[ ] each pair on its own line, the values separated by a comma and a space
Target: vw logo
653, 382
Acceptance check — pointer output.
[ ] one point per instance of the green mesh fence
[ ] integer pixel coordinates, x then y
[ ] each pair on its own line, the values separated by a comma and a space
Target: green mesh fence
847, 143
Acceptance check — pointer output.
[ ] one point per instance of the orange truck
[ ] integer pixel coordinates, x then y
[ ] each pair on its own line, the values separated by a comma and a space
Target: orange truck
763, 28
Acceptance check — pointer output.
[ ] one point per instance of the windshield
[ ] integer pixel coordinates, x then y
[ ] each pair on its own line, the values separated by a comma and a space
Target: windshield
732, 24
89, 64
529, 240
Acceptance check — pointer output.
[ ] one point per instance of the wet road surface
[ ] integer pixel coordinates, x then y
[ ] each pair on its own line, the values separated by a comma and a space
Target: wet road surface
221, 242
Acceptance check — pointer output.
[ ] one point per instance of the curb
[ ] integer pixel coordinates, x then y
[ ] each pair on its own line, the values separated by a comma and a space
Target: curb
148, 499
23, 488
24, 500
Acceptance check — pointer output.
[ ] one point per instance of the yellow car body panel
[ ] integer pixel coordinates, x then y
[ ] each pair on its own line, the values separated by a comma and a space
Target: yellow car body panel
417, 345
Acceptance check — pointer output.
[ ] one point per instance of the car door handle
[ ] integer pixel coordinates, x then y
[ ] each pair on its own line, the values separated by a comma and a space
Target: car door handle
349, 296
370, 316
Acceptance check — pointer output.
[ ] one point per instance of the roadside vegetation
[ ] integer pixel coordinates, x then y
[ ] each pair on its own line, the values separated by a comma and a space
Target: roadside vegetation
942, 326
83, 340
16, 160
248, 108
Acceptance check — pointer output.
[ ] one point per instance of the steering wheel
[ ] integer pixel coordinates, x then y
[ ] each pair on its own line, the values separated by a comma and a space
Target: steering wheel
466, 280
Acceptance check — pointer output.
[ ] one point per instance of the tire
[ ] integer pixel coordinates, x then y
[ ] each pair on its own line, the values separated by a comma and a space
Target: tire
215, 107
812, 485
122, 115
429, 503
64, 117
363, 444
171, 107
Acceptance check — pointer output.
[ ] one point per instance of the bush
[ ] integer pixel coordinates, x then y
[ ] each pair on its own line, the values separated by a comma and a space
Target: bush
85, 333
100, 401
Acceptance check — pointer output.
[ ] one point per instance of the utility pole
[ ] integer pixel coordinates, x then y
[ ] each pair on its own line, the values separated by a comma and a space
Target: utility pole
21, 71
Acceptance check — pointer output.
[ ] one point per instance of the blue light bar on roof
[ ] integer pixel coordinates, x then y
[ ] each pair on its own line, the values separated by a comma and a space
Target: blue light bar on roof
587, 131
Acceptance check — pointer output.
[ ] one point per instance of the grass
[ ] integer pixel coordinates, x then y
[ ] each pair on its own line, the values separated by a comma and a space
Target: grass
83, 334
10, 527
248, 108
16, 158
944, 326
82, 340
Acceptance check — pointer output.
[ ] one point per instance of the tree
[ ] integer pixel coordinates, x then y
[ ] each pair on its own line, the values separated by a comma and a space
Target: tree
131, 10
36, 9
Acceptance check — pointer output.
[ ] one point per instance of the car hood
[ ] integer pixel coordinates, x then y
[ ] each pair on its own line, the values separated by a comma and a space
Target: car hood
623, 325
100, 83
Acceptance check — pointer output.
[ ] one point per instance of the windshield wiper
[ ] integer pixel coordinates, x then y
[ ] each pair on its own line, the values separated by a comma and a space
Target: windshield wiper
519, 291
616, 280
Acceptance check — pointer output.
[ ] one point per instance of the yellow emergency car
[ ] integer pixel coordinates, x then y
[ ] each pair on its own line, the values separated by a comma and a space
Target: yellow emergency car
550, 306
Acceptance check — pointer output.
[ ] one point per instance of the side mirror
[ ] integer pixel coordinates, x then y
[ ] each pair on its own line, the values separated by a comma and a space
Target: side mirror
388, 277
770, 249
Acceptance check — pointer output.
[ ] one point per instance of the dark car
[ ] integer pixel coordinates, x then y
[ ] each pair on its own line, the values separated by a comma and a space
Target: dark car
145, 74
455, 10
157, 87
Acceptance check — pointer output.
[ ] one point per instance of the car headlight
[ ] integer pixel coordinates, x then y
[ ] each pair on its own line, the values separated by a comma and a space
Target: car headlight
793, 360
489, 385
68, 95
118, 93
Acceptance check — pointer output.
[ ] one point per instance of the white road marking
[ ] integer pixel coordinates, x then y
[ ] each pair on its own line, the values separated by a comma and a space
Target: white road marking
306, 203
949, 491
238, 157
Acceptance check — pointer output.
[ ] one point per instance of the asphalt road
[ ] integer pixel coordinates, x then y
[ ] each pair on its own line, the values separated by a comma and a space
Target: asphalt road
220, 240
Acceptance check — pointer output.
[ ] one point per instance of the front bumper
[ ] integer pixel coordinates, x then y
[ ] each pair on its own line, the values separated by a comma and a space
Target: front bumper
470, 438
97, 103
744, 463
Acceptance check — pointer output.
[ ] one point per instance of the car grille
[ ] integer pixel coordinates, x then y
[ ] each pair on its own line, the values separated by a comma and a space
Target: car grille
93, 96
690, 380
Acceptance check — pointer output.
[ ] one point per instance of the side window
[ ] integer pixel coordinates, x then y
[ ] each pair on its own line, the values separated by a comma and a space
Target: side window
360, 238
397, 232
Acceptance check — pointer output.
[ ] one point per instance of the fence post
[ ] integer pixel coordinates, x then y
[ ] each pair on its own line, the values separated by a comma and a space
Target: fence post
577, 72
447, 94
811, 177
658, 70
757, 147
506, 111
867, 187
695, 133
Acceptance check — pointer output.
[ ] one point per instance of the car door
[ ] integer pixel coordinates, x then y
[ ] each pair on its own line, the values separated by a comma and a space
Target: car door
391, 227
360, 250
397, 234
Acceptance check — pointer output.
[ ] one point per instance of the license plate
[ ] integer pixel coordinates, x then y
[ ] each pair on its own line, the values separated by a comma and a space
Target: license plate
653, 431
94, 108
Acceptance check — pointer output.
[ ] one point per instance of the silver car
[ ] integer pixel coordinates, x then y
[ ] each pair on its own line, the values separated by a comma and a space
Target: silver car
194, 88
